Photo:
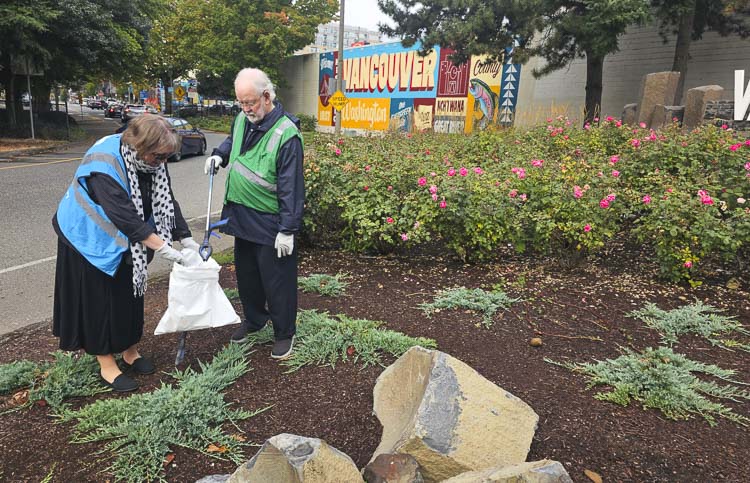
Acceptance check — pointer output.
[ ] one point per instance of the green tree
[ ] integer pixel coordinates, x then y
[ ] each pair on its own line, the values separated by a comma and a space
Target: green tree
557, 30
689, 19
72, 40
226, 36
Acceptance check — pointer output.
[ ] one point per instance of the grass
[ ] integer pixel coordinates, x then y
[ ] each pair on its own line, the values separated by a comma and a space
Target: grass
138, 431
329, 285
664, 380
325, 340
697, 318
478, 300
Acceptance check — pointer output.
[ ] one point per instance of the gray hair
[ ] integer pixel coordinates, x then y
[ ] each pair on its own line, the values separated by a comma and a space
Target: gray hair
256, 78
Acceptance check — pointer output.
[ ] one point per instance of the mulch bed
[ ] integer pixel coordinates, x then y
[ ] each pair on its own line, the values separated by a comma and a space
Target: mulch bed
579, 312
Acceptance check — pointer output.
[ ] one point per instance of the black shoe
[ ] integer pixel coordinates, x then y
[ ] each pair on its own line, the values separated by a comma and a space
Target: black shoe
282, 349
122, 383
139, 366
240, 333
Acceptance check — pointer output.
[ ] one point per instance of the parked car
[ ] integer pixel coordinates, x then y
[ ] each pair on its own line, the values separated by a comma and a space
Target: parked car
187, 110
96, 104
193, 140
113, 110
134, 110
224, 109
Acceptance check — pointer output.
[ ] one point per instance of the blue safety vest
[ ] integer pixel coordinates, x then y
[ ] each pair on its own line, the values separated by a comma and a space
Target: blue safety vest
84, 222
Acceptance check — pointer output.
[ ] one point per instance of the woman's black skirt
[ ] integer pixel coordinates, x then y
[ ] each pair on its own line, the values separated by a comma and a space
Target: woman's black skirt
93, 311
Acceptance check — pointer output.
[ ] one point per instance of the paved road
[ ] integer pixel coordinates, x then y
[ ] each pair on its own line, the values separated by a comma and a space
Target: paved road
30, 189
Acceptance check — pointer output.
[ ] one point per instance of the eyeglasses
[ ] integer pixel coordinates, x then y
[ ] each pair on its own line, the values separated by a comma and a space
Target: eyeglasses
251, 103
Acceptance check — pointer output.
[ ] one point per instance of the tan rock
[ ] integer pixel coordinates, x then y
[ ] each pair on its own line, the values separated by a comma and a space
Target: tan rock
288, 458
544, 471
695, 103
448, 417
656, 88
628, 114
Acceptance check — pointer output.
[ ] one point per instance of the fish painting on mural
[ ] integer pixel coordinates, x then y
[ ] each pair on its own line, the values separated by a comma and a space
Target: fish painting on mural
484, 99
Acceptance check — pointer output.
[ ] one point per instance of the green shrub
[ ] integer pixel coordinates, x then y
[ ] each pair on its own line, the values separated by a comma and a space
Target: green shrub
330, 285
663, 380
478, 300
307, 122
553, 189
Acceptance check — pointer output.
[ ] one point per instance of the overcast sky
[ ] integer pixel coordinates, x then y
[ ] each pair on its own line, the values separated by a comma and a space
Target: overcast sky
363, 13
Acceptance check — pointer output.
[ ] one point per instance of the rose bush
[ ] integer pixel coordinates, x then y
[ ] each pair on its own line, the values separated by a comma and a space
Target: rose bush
552, 189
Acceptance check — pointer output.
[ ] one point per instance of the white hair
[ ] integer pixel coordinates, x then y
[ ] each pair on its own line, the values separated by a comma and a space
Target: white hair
257, 79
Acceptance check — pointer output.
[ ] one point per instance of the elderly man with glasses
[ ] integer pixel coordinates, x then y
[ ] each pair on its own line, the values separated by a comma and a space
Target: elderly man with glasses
264, 200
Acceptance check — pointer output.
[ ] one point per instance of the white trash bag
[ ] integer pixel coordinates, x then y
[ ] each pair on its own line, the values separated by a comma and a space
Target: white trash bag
196, 301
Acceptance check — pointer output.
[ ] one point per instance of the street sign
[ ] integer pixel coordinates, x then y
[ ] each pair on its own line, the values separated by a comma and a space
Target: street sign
179, 92
338, 100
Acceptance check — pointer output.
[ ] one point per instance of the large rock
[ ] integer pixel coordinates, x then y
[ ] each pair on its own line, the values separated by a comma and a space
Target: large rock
695, 104
288, 458
656, 88
544, 471
448, 417
628, 113
666, 115
393, 468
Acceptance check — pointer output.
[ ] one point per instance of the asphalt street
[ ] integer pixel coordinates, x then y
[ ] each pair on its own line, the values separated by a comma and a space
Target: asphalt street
31, 188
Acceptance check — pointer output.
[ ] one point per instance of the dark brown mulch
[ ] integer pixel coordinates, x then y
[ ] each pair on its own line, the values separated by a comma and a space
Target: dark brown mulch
579, 312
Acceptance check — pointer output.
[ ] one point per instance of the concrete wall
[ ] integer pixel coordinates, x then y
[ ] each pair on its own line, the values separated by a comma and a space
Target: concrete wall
713, 61
300, 95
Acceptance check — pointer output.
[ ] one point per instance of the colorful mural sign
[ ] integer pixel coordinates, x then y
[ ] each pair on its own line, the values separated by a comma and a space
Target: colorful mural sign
390, 87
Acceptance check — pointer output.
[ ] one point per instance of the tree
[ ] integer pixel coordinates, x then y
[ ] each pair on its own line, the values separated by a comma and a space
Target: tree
71, 40
557, 30
226, 36
689, 19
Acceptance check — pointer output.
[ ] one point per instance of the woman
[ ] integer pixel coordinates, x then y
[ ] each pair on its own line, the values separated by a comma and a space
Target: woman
118, 210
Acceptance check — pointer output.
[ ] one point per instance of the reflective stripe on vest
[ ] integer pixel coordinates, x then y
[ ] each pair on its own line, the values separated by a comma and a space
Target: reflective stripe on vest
253, 177
107, 226
286, 123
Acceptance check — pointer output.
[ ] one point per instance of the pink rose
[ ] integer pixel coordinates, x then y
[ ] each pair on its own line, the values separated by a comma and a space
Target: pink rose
537, 163
338, 152
522, 197
614, 159
604, 203
422, 181
404, 236
366, 188
390, 188
433, 189
463, 171
635, 142
451, 172
513, 193
434, 196
367, 168
587, 228
341, 141
646, 199
642, 125
443, 204
615, 173
577, 192
389, 220
688, 264
478, 170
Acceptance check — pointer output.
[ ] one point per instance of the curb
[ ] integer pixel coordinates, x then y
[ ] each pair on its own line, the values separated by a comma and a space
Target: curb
8, 156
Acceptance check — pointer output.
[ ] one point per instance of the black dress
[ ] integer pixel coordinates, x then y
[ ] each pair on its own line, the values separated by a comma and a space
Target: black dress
93, 311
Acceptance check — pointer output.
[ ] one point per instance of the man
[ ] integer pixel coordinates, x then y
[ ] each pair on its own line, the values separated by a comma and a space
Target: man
265, 196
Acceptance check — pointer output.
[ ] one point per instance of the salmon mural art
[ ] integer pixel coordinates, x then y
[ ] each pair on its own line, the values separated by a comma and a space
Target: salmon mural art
484, 100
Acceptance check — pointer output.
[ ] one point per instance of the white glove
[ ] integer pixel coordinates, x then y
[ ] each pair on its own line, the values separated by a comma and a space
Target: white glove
284, 245
170, 253
188, 242
215, 160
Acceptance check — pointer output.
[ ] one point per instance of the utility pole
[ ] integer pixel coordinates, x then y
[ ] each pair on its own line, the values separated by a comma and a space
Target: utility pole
340, 66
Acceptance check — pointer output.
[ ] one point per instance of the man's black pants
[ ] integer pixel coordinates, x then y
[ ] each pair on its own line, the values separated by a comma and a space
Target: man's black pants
267, 286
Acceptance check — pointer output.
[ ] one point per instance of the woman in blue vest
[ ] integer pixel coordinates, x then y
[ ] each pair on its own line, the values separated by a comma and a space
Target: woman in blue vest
118, 210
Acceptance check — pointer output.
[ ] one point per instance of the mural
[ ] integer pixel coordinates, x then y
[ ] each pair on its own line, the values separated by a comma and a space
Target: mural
390, 87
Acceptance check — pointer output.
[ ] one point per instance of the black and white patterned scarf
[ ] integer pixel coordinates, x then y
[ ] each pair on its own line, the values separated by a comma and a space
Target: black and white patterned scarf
161, 206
